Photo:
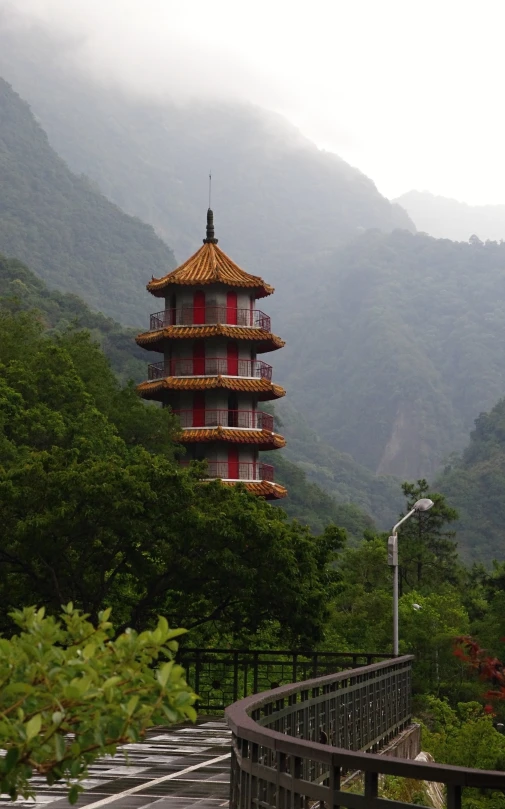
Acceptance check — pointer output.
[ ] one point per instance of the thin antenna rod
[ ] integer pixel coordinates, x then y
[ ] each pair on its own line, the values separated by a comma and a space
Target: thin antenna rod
210, 187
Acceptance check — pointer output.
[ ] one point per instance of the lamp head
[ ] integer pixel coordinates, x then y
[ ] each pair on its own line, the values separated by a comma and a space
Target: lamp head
424, 504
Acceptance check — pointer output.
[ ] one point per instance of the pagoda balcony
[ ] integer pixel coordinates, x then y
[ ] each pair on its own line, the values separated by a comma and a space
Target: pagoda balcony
210, 366
210, 316
239, 419
230, 470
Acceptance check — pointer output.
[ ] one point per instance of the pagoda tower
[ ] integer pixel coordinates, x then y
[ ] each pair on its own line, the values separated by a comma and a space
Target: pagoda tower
210, 334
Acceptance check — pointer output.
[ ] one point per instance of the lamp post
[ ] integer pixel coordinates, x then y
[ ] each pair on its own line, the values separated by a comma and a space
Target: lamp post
422, 505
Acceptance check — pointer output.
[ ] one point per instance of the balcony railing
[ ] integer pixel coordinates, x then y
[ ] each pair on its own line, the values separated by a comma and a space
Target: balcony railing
230, 470
210, 366
243, 419
210, 315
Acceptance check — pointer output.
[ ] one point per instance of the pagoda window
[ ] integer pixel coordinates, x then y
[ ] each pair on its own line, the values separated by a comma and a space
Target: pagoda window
213, 312
232, 358
173, 309
199, 308
199, 409
198, 358
231, 308
233, 463
233, 410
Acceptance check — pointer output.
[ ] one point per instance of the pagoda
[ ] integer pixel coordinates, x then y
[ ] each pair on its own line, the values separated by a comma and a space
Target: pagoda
210, 334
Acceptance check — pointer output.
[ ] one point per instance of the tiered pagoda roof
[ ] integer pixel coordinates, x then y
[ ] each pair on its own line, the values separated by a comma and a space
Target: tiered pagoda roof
264, 488
264, 438
153, 340
265, 389
209, 265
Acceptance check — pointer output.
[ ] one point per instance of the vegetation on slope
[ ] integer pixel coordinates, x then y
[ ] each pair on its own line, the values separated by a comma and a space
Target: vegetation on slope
475, 483
405, 348
23, 291
94, 510
71, 235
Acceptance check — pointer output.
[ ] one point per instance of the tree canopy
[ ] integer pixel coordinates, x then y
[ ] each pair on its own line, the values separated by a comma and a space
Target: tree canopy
94, 509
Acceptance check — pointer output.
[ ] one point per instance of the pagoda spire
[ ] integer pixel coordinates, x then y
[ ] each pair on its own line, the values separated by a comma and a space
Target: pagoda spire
211, 239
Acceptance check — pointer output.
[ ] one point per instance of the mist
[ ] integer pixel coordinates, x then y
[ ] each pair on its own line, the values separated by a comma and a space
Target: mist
407, 92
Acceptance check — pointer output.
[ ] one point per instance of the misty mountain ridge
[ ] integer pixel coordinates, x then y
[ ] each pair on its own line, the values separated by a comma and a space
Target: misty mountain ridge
279, 199
384, 368
70, 234
446, 218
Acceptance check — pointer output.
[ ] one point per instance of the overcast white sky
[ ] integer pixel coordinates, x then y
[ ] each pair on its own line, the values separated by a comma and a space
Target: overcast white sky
409, 91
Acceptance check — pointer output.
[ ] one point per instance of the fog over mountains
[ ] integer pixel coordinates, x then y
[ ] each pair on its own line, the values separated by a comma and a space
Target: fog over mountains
447, 218
279, 200
394, 338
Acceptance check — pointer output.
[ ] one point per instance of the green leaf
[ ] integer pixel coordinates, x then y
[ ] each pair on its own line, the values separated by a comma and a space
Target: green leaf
131, 705
32, 727
73, 794
163, 673
59, 746
11, 759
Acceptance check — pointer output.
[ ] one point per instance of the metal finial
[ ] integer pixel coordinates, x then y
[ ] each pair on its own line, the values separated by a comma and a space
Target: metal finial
210, 228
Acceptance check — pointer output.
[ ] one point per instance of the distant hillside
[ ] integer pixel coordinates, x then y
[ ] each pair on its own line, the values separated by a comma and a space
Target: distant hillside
278, 199
447, 218
71, 235
396, 347
20, 289
475, 486
337, 472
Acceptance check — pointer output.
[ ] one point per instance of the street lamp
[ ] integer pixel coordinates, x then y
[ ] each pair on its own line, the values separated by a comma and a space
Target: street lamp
422, 505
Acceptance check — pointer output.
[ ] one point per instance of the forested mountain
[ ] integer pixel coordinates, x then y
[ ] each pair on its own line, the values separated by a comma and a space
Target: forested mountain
447, 218
393, 339
475, 484
22, 291
398, 345
69, 233
278, 199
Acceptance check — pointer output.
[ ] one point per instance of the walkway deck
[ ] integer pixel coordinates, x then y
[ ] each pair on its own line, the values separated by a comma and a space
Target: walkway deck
174, 768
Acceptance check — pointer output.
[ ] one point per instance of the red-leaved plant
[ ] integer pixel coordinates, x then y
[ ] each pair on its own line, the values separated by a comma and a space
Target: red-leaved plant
490, 669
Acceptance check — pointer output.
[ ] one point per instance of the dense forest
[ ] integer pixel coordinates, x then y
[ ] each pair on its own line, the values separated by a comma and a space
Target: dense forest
475, 483
57, 312
447, 218
95, 510
65, 229
405, 348
393, 351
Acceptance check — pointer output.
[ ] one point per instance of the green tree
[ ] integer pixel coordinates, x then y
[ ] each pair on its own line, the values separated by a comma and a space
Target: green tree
70, 693
427, 550
94, 510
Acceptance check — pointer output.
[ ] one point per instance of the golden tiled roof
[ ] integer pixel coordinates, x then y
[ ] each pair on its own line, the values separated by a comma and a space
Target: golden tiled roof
266, 341
266, 390
267, 439
209, 265
266, 489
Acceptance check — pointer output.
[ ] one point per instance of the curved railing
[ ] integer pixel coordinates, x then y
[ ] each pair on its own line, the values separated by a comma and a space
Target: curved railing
293, 745
210, 315
210, 366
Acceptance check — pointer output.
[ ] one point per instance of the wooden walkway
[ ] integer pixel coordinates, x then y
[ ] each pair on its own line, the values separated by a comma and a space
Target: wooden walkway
174, 768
